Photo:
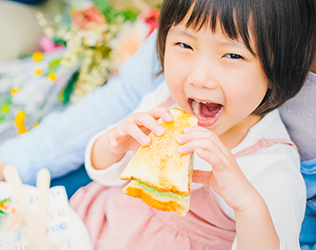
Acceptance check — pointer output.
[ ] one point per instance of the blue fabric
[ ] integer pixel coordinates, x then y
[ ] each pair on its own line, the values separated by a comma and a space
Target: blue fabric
30, 2
306, 247
59, 142
308, 232
73, 181
308, 170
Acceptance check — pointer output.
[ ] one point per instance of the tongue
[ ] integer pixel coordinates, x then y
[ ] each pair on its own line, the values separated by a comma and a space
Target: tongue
210, 109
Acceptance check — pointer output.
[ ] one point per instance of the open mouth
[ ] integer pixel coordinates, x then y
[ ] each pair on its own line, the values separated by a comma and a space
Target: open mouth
206, 112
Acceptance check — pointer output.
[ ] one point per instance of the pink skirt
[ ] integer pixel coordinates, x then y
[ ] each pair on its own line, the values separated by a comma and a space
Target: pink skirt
117, 221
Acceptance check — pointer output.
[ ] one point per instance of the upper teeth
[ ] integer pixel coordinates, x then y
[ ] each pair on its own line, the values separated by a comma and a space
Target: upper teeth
196, 109
200, 102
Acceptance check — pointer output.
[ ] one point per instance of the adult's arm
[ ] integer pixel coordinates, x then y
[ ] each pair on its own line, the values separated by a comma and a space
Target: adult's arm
59, 142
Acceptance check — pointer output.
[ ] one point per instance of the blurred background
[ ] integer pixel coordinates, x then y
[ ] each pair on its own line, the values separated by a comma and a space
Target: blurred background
20, 29
53, 52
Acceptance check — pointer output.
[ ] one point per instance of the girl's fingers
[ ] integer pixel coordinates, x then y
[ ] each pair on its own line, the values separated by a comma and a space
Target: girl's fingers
138, 126
202, 177
163, 113
206, 150
146, 122
149, 120
214, 159
134, 131
204, 144
194, 133
111, 139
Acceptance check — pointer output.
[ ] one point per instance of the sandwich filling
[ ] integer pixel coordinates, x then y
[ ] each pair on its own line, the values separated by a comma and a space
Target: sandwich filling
159, 193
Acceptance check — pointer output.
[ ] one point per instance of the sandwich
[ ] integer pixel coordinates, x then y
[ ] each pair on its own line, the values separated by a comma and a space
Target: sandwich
159, 175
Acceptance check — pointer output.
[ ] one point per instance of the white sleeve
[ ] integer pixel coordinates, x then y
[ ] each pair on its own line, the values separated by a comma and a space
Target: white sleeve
277, 178
111, 175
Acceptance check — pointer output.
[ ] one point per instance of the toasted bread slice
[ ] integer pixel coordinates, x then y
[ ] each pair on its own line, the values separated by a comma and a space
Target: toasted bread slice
159, 165
167, 202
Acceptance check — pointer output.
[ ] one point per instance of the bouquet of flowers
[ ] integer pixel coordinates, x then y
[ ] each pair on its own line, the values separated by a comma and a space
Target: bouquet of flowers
99, 38
28, 91
80, 51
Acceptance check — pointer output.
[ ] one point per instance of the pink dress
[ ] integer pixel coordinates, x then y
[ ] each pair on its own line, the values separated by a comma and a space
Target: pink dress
117, 221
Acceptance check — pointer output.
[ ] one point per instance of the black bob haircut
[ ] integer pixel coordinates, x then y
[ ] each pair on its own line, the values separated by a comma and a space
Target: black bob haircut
284, 33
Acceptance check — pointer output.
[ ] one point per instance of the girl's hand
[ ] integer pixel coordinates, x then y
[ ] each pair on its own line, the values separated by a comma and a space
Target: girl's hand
128, 135
134, 131
226, 177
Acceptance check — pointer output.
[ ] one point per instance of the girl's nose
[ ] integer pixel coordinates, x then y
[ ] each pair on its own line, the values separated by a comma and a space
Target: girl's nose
202, 76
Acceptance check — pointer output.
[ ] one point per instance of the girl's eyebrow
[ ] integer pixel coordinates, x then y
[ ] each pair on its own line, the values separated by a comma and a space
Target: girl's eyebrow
235, 43
181, 31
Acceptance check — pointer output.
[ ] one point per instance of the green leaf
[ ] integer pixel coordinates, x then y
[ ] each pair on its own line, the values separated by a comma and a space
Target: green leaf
112, 15
58, 40
25, 56
130, 14
65, 95
5, 201
54, 65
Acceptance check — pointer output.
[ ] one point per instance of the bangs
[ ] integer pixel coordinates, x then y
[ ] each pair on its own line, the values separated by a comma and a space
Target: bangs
233, 17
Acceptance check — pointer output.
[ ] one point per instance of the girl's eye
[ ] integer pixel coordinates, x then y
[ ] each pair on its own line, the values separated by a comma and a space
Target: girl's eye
233, 56
185, 46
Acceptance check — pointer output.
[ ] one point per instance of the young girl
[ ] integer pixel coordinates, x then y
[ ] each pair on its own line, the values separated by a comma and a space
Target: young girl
231, 63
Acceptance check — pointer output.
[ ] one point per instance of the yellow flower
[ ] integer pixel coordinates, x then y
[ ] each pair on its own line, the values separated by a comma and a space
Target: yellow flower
14, 90
36, 124
5, 108
19, 122
38, 72
52, 76
37, 56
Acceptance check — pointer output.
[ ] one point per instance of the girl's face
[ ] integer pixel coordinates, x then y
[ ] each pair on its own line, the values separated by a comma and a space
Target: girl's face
215, 78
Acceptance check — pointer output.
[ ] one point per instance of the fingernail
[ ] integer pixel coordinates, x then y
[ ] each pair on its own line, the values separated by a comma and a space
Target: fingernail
169, 117
187, 129
181, 149
159, 130
145, 140
179, 138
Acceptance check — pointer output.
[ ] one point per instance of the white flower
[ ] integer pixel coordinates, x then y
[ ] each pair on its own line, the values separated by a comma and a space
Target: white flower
126, 43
